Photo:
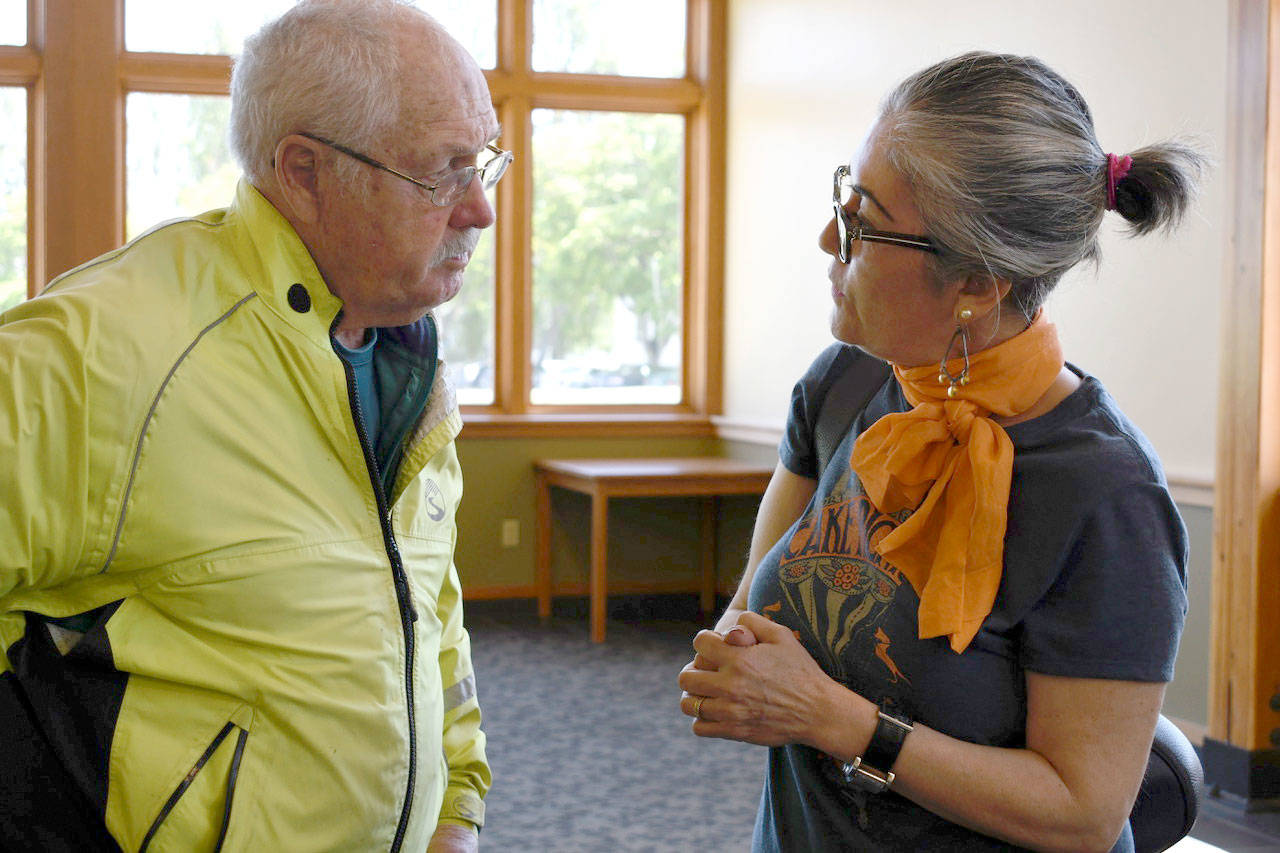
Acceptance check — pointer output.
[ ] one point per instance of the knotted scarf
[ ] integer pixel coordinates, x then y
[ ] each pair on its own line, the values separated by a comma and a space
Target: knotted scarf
952, 464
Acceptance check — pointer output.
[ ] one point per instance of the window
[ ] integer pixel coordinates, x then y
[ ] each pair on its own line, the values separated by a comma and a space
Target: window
220, 28
13, 24
177, 157
162, 26
13, 196
606, 257
596, 296
472, 23
607, 294
634, 40
18, 67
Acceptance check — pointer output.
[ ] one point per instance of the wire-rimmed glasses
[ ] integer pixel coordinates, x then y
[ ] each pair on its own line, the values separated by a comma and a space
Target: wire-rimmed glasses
451, 187
853, 228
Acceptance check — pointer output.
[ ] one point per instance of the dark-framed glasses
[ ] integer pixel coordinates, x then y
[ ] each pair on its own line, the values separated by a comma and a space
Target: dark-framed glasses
451, 187
850, 228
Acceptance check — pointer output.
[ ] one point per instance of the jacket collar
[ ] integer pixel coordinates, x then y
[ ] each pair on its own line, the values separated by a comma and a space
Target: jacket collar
279, 266
286, 277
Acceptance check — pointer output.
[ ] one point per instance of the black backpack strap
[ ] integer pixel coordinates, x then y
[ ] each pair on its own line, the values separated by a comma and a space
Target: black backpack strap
846, 397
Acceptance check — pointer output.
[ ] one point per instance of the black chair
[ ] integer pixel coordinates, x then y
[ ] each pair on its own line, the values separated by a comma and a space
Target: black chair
1169, 798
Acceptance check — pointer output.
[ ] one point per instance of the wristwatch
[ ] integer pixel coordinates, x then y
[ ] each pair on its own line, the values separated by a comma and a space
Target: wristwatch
873, 770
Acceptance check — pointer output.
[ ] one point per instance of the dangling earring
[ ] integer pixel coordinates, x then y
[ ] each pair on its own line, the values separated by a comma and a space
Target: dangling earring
944, 375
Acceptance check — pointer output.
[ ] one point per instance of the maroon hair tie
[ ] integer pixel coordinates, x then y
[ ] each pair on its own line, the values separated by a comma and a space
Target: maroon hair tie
1117, 168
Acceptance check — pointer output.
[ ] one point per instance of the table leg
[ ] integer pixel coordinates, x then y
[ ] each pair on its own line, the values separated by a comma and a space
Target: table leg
707, 593
542, 570
599, 557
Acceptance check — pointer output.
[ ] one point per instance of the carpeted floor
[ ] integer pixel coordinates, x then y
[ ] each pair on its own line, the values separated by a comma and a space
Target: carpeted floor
591, 754
588, 746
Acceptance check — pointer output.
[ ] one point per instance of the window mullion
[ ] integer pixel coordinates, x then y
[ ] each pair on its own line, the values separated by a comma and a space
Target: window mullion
185, 74
512, 297
704, 209
81, 107
512, 373
515, 36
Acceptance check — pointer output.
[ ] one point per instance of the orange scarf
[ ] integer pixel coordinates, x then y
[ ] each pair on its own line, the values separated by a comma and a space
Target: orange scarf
949, 462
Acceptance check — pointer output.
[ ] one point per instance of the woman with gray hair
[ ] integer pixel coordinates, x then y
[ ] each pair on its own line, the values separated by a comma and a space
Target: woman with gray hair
957, 635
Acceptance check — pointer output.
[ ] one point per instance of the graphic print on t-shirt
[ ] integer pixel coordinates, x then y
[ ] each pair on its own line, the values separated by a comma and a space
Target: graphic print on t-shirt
831, 576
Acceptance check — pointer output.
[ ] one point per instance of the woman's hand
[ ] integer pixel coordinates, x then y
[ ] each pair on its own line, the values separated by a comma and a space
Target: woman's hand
758, 685
734, 635
783, 501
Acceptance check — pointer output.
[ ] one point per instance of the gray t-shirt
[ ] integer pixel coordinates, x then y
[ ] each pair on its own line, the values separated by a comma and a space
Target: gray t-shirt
1094, 586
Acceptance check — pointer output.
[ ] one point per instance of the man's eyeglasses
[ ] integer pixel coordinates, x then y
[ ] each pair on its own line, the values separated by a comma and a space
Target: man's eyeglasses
850, 229
451, 187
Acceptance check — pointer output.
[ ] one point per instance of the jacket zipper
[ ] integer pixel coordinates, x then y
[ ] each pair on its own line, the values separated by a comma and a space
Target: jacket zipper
232, 774
408, 615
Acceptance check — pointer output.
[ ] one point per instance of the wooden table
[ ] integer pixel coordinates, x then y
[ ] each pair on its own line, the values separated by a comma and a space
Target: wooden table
602, 479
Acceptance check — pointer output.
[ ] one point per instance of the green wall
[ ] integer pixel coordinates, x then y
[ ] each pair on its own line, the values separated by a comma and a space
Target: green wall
656, 540
650, 539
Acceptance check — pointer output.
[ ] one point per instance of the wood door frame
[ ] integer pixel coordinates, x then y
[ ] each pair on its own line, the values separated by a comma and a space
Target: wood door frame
1242, 749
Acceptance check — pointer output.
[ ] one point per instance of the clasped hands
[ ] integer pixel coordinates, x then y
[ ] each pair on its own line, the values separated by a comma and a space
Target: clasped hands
754, 683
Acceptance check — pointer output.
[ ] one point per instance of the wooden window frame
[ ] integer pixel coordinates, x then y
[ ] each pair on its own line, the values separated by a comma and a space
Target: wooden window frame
1242, 750
21, 66
78, 75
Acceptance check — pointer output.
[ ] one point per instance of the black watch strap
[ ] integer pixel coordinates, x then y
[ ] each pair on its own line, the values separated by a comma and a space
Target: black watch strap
873, 770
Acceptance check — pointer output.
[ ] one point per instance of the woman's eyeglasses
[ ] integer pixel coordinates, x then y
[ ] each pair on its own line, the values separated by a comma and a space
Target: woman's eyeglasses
852, 228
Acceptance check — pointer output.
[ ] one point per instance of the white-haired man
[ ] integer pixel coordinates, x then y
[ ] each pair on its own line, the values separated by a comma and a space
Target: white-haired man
229, 615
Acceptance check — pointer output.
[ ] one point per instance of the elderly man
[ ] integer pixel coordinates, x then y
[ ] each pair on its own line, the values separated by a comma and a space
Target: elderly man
229, 615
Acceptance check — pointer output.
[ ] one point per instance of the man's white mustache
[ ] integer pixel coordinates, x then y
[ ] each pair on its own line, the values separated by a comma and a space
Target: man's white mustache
463, 244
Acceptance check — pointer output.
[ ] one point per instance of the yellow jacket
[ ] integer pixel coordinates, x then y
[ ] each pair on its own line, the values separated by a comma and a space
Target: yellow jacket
192, 548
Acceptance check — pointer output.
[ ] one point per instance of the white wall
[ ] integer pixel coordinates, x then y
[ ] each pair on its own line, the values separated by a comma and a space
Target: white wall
805, 77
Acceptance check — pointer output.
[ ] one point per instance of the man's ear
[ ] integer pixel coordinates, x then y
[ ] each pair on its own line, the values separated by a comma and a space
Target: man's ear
981, 293
297, 174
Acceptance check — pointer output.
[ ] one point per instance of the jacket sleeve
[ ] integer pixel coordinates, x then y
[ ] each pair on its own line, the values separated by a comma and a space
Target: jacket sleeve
57, 488
469, 774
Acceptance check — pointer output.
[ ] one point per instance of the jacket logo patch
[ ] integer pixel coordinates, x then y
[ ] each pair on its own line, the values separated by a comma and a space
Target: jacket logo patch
435, 501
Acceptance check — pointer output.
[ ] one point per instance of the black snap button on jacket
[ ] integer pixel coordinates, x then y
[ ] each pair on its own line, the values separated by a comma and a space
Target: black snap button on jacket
299, 299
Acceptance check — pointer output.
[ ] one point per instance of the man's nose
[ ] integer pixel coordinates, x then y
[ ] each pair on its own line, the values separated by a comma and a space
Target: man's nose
474, 210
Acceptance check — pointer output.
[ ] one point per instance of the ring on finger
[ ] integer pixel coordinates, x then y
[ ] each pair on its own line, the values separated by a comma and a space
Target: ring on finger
697, 706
